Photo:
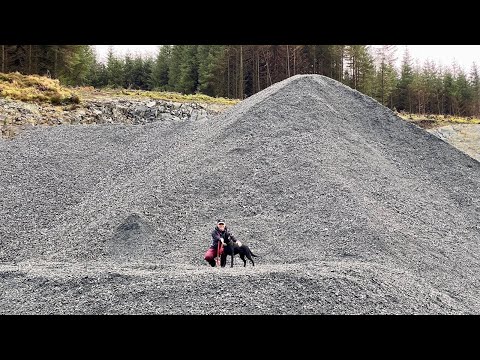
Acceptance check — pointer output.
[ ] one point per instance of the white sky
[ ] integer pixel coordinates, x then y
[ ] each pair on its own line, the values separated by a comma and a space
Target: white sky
445, 55
463, 55
121, 50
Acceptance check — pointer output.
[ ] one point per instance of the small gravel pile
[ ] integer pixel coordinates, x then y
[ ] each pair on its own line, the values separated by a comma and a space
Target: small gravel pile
351, 210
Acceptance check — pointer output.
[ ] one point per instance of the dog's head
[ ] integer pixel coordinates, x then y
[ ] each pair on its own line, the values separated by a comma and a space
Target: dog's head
230, 242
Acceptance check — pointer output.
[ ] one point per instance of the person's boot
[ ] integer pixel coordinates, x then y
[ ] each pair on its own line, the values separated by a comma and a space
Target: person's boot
212, 263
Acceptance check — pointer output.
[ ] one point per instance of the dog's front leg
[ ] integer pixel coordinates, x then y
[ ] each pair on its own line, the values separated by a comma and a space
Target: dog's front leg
223, 259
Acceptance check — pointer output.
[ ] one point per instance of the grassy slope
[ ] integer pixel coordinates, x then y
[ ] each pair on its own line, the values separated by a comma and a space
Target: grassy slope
35, 88
431, 121
43, 89
91, 93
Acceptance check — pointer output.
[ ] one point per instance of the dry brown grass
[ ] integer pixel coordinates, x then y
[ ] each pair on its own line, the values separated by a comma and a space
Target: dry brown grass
35, 88
43, 89
434, 120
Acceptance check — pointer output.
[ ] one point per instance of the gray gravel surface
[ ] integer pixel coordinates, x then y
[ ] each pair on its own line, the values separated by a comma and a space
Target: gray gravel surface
465, 137
351, 210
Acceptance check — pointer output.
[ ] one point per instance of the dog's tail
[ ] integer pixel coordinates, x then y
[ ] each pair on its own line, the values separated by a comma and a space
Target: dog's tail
251, 253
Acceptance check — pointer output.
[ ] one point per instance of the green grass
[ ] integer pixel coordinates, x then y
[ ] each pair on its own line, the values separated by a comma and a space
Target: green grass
177, 97
434, 120
35, 88
201, 98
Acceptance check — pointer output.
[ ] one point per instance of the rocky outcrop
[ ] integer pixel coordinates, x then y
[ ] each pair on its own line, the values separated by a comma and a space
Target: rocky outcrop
16, 115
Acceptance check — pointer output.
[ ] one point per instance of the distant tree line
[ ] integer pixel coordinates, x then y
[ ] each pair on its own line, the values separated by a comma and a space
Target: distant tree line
71, 64
239, 71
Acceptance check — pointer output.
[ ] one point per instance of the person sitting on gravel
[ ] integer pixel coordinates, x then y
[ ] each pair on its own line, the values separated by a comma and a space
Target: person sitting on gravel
219, 233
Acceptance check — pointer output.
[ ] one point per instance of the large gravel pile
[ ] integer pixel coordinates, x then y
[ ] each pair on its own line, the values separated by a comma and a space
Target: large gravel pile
351, 210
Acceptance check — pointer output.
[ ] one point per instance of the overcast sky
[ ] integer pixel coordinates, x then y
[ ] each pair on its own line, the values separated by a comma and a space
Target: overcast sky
122, 50
464, 55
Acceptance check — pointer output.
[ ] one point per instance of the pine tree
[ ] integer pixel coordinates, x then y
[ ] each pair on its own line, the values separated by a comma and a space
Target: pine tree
404, 86
351, 72
449, 92
148, 64
137, 73
475, 84
76, 65
209, 57
338, 52
115, 70
464, 94
128, 71
437, 90
419, 89
433, 89
188, 80
360, 68
142, 73
386, 76
366, 71
174, 72
98, 76
160, 69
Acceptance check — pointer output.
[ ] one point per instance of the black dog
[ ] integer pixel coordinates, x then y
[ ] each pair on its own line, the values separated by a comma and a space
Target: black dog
231, 248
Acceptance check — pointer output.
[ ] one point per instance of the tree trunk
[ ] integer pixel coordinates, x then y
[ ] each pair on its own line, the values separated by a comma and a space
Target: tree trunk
235, 75
241, 73
29, 59
3, 58
354, 65
288, 62
254, 70
340, 59
228, 75
258, 71
268, 69
383, 103
55, 62
294, 61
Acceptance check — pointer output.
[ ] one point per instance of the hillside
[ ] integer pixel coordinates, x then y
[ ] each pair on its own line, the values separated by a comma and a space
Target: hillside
31, 101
